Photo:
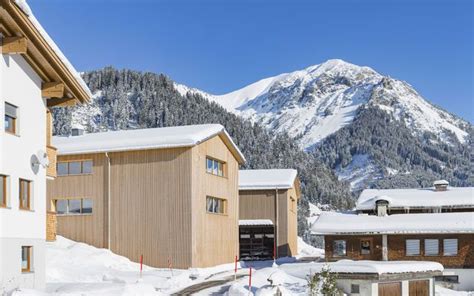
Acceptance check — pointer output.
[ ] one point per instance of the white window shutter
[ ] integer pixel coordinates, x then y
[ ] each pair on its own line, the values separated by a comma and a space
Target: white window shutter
412, 247
450, 246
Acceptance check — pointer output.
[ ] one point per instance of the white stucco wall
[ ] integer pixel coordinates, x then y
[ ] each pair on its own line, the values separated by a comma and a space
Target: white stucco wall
466, 278
21, 86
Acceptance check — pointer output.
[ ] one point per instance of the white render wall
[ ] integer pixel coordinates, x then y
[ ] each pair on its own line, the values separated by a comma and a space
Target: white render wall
371, 288
466, 278
21, 86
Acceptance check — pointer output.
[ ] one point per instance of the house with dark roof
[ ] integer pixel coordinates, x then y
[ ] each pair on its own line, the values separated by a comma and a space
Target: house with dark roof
167, 194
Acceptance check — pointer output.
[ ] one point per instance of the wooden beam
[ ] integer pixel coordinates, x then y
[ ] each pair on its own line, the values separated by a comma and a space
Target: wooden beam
14, 45
52, 90
62, 102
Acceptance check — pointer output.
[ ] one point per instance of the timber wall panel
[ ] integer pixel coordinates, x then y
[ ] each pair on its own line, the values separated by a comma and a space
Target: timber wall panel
292, 222
85, 228
353, 247
215, 236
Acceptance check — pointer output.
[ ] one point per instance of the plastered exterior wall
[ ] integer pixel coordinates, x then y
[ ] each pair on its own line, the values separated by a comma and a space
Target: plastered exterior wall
20, 86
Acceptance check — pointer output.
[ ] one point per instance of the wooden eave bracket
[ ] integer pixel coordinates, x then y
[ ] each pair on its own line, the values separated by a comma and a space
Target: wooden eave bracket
14, 45
52, 90
61, 102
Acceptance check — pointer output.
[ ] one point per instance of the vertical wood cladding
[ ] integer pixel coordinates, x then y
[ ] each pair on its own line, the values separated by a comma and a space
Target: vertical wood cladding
260, 204
396, 248
216, 237
151, 206
90, 229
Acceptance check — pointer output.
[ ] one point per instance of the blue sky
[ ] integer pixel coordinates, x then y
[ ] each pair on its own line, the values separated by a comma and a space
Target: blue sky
220, 46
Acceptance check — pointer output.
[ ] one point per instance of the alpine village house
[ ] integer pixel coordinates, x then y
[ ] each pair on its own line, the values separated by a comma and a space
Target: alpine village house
34, 76
429, 224
169, 194
268, 213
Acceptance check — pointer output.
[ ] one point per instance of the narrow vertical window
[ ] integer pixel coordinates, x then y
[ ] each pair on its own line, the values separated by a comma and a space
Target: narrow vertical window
3, 191
339, 248
365, 247
25, 194
25, 259
10, 118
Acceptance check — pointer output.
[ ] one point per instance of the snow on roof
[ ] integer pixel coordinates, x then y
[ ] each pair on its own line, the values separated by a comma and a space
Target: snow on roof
255, 222
267, 179
27, 10
339, 223
418, 197
440, 182
141, 139
363, 266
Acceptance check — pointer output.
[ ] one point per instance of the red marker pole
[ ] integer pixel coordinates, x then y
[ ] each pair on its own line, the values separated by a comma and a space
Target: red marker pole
250, 279
141, 265
170, 266
235, 268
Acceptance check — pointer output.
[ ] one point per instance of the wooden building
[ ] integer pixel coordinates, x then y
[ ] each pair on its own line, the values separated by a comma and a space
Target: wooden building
436, 225
34, 76
164, 193
268, 199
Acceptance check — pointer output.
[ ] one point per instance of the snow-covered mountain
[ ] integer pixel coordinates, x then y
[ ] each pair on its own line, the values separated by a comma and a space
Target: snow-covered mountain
315, 102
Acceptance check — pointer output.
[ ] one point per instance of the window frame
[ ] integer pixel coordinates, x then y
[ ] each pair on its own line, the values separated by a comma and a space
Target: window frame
81, 208
21, 205
370, 240
419, 248
68, 162
4, 191
14, 119
425, 245
220, 170
444, 247
28, 259
334, 253
355, 289
223, 205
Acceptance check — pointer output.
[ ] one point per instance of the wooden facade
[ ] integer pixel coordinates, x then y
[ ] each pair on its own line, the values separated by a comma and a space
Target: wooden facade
397, 250
157, 204
260, 204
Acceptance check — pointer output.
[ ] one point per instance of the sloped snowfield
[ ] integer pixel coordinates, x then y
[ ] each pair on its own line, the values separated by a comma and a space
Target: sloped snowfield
74, 268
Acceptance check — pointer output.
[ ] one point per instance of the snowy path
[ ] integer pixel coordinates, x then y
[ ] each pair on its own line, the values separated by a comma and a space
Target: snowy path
207, 285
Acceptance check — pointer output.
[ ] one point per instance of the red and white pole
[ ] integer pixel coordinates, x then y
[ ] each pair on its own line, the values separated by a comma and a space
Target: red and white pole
250, 280
141, 265
235, 269
170, 266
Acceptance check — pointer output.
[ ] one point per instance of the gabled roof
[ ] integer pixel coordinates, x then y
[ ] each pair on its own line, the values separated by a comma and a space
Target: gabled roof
417, 198
142, 139
340, 223
267, 179
43, 55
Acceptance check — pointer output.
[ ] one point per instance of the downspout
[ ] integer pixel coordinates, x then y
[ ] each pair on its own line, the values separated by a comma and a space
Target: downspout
276, 223
108, 201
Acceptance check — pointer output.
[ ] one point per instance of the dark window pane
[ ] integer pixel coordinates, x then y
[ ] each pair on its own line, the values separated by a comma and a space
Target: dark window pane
87, 167
25, 258
215, 168
209, 165
74, 168
24, 194
61, 206
62, 168
339, 248
365, 247
9, 124
87, 206
74, 206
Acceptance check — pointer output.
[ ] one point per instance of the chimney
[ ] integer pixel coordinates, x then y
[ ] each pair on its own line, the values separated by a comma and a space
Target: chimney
440, 185
77, 130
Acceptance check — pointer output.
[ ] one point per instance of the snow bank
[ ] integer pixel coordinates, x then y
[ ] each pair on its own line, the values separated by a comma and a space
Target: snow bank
267, 179
305, 250
339, 223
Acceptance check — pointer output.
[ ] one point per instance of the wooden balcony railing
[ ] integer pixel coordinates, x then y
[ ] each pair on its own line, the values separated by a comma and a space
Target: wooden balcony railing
52, 156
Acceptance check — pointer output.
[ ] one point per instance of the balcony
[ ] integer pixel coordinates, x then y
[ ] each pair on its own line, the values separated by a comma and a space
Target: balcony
52, 156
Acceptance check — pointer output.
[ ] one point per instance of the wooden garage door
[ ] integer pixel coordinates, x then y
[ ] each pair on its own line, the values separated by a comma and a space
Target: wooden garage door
390, 289
420, 288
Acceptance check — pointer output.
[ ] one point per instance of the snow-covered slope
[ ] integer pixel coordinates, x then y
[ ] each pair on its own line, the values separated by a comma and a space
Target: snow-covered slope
317, 101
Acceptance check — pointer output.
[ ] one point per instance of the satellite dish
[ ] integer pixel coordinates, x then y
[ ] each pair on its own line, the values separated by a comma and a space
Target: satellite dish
39, 159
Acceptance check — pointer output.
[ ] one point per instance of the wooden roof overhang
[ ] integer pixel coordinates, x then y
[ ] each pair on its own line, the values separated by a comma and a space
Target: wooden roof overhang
60, 85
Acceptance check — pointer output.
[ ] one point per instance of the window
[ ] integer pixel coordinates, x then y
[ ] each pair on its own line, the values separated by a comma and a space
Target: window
412, 247
74, 168
365, 247
26, 259
450, 247
75, 206
431, 247
3, 191
215, 205
452, 279
355, 289
10, 118
215, 167
25, 194
339, 248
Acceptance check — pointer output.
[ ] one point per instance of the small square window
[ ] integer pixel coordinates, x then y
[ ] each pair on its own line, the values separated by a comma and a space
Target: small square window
62, 168
87, 206
431, 247
339, 248
365, 247
75, 168
412, 247
450, 247
355, 289
74, 206
61, 206
87, 167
